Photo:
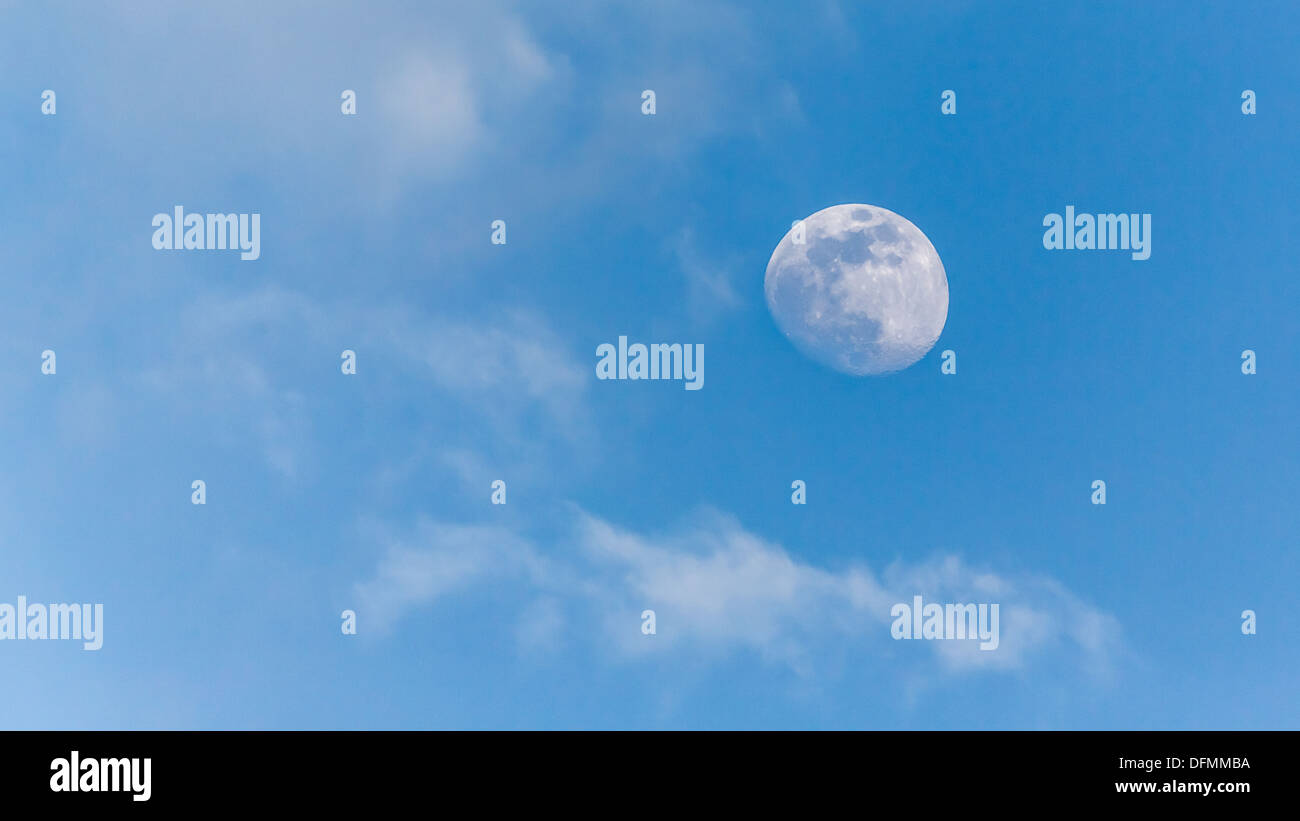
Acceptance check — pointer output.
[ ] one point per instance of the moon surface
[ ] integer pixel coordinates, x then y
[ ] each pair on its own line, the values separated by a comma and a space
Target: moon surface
864, 293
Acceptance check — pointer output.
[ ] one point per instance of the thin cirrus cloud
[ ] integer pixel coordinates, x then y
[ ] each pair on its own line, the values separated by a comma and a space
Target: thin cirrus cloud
410, 574
507, 386
710, 289
717, 587
436, 92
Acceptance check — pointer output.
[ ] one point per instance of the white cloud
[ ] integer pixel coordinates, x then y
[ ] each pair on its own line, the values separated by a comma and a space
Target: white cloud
432, 116
709, 288
437, 559
718, 588
507, 367
516, 390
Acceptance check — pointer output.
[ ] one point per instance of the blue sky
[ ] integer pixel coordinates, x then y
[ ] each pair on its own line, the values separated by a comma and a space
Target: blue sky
476, 362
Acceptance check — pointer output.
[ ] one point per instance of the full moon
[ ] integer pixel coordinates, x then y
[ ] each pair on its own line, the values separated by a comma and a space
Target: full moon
861, 290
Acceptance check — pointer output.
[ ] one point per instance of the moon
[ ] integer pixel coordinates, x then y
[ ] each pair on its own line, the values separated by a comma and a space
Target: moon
864, 292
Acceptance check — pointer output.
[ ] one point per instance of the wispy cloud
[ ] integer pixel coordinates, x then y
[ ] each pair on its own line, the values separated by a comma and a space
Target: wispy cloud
437, 559
507, 386
718, 588
503, 365
709, 289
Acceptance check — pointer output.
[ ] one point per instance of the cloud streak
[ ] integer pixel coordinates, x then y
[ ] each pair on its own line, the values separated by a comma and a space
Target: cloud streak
718, 588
